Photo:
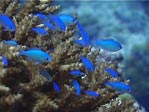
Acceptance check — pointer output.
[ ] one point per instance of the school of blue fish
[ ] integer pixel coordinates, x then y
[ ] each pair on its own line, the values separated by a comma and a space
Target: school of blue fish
38, 56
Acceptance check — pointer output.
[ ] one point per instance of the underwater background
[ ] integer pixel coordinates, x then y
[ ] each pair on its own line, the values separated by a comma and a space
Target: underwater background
55, 86
126, 21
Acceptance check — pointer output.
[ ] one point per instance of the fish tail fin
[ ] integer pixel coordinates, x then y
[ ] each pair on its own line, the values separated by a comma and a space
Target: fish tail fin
95, 41
4, 41
21, 52
106, 83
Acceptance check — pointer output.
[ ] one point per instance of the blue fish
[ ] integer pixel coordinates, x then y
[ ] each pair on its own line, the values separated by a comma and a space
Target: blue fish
80, 42
76, 85
56, 87
10, 42
91, 93
40, 31
84, 34
59, 23
45, 73
112, 72
36, 55
49, 25
41, 16
108, 44
76, 72
5, 61
87, 63
7, 23
67, 19
119, 86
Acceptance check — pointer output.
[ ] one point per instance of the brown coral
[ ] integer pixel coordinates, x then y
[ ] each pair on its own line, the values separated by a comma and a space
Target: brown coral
23, 89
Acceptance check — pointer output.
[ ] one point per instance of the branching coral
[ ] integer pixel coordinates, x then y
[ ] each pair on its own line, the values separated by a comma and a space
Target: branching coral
23, 89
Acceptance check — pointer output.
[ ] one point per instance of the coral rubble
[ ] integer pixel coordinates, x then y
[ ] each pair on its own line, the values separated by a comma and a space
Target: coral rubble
24, 89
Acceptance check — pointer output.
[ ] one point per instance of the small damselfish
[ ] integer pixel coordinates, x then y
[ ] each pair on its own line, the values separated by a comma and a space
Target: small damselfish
87, 63
37, 55
7, 23
119, 86
76, 85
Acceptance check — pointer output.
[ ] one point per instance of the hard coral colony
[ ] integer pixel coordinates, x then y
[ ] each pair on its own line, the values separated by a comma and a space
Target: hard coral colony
43, 69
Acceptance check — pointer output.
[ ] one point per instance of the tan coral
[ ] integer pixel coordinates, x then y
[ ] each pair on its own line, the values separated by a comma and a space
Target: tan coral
12, 8
3, 89
45, 104
8, 101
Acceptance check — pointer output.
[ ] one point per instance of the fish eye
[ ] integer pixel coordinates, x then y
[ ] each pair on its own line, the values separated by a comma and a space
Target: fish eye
47, 58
